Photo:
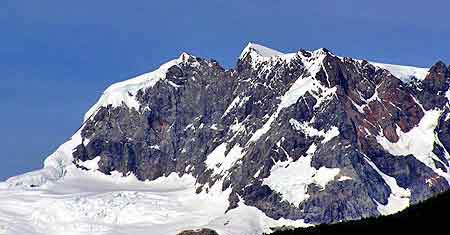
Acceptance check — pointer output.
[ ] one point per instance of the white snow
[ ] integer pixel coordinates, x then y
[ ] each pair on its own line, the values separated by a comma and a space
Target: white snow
447, 94
261, 55
221, 163
259, 50
214, 127
330, 134
344, 178
91, 164
311, 131
251, 222
299, 88
237, 102
418, 142
398, 199
89, 202
234, 103
404, 73
257, 173
155, 147
123, 93
237, 127
291, 178
216, 157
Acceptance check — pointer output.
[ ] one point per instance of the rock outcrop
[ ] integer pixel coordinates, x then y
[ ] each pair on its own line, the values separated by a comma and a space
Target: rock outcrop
204, 231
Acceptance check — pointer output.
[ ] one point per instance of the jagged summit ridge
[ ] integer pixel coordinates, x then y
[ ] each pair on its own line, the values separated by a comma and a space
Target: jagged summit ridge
260, 50
125, 91
405, 73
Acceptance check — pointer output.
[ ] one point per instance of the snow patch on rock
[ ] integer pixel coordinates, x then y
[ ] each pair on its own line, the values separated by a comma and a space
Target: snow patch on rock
311, 131
220, 162
302, 85
292, 178
398, 199
91, 164
344, 178
418, 142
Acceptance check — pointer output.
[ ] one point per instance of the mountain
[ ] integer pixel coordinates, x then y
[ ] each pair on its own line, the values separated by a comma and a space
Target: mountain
293, 139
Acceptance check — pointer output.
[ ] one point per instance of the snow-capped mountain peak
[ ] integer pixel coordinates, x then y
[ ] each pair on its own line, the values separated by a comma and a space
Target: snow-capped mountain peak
255, 49
283, 139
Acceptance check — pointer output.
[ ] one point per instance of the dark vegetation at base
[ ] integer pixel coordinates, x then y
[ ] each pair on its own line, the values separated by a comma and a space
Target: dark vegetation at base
430, 215
204, 231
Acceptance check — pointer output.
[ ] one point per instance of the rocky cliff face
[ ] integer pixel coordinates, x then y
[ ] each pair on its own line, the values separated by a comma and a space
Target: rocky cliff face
306, 135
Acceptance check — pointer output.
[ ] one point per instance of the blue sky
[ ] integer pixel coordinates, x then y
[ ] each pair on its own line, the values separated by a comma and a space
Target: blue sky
56, 57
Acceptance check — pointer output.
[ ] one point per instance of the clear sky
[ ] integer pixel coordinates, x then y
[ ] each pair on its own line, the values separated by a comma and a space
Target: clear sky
56, 57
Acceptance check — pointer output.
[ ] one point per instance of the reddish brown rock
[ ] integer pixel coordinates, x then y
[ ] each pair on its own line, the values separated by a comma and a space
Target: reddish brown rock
390, 134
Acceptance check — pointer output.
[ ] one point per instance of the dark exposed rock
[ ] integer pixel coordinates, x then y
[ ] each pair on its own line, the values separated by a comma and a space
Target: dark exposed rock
204, 231
431, 91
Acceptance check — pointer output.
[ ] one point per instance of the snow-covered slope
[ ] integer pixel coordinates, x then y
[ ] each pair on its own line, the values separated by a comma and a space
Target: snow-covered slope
91, 203
259, 50
54, 166
404, 73
125, 92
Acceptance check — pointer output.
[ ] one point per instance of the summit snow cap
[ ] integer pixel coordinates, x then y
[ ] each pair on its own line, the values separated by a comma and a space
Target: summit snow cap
124, 92
259, 50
